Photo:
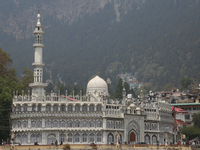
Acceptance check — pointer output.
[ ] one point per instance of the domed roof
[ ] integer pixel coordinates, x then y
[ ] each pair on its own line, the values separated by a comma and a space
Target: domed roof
97, 82
132, 105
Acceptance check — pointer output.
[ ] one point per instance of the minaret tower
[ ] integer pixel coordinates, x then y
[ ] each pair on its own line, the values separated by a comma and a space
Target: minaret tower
38, 85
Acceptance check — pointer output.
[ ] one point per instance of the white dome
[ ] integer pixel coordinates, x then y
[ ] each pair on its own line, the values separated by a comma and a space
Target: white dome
97, 82
97, 85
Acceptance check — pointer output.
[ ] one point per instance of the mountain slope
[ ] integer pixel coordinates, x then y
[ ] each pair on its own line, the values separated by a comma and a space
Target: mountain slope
157, 39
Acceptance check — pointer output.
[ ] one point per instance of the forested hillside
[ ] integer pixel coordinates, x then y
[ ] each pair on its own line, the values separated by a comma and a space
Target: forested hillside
157, 39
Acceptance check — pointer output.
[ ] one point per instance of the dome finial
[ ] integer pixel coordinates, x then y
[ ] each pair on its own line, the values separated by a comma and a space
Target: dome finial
38, 10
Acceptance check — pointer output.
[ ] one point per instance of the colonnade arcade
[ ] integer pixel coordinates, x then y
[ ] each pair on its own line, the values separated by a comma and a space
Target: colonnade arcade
24, 107
69, 136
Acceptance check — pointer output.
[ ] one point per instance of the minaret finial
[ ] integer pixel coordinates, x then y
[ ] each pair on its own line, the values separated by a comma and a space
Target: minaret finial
38, 17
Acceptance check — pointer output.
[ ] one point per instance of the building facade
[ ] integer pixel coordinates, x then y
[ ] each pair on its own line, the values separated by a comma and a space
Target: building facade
86, 118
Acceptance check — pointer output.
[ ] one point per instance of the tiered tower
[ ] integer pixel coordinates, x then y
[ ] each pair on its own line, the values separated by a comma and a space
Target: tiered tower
38, 85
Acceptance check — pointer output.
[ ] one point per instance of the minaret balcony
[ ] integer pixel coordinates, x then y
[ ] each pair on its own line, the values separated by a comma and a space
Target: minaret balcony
38, 84
38, 32
36, 64
38, 45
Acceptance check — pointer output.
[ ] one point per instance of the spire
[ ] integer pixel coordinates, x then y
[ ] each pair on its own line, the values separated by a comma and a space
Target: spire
38, 17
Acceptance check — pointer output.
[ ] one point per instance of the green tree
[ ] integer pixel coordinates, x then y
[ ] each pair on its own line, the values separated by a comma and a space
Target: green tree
132, 92
68, 90
196, 120
127, 88
75, 90
168, 87
8, 83
190, 132
118, 90
5, 64
62, 90
49, 87
185, 82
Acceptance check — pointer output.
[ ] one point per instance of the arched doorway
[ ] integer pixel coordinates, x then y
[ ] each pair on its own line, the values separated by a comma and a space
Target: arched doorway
154, 139
132, 138
50, 138
119, 138
147, 139
110, 138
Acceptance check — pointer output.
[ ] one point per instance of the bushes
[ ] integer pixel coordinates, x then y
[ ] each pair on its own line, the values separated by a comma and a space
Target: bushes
66, 147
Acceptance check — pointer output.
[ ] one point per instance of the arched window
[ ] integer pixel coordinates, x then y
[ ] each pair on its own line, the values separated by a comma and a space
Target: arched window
155, 126
98, 107
62, 107
24, 139
62, 123
84, 137
77, 107
91, 108
33, 107
25, 107
55, 107
19, 124
18, 107
116, 126
48, 124
99, 136
70, 108
70, 137
48, 107
111, 124
84, 107
39, 138
33, 124
69, 124
154, 139
18, 138
55, 124
147, 139
14, 109
99, 124
108, 124
62, 137
39, 107
92, 124
39, 124
14, 124
92, 137
84, 124
77, 137
25, 124
77, 124
119, 125
33, 138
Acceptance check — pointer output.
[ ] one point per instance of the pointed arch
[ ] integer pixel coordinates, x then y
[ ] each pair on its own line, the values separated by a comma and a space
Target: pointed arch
110, 138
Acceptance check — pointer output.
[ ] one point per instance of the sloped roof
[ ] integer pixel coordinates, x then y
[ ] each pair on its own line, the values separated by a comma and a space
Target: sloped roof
179, 110
178, 121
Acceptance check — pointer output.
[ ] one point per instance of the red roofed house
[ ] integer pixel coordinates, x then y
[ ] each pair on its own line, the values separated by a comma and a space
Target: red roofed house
179, 118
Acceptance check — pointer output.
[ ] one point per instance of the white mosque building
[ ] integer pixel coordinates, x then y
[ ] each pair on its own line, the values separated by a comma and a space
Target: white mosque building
85, 119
